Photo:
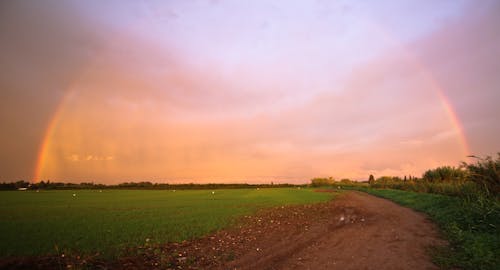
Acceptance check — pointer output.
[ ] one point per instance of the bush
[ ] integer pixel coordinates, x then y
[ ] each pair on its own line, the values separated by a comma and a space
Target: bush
371, 179
319, 182
445, 174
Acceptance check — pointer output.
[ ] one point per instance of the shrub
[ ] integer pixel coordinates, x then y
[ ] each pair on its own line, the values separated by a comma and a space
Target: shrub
318, 182
371, 179
445, 174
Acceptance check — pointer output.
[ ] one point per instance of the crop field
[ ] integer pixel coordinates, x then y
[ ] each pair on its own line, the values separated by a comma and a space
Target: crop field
104, 222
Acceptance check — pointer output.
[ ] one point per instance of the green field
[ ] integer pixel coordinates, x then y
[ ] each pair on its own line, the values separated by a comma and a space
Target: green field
52, 222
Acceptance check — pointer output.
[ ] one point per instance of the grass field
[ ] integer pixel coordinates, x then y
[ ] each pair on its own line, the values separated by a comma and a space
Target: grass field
54, 222
472, 227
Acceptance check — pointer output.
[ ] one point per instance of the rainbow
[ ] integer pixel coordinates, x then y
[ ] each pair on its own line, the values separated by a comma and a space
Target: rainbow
43, 152
42, 157
47, 138
445, 102
455, 120
436, 87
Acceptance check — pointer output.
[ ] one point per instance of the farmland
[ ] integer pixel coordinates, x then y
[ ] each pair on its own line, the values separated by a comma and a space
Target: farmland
104, 222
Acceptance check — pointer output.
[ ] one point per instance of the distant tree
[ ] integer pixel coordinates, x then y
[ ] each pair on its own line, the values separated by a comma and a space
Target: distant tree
21, 184
371, 179
345, 181
7, 186
396, 179
318, 182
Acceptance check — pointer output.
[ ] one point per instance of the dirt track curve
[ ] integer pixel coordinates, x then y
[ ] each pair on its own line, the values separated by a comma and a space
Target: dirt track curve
361, 232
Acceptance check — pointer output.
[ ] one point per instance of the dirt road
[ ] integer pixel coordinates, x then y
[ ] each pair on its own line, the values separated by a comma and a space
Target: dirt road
360, 232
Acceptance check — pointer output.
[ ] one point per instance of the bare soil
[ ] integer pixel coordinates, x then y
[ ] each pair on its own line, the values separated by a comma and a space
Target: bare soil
354, 231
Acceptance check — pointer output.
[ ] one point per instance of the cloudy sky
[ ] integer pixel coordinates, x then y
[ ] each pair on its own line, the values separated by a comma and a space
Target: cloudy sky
245, 91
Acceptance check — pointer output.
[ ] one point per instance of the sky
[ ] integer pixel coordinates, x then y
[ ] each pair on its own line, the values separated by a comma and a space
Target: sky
245, 91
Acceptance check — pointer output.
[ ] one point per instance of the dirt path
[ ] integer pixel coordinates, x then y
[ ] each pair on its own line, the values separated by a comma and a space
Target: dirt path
361, 232
354, 231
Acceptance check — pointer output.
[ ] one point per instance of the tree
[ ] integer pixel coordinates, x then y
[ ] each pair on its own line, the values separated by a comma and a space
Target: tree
318, 182
371, 179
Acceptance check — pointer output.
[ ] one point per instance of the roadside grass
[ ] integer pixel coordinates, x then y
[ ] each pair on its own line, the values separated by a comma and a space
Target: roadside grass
104, 223
472, 226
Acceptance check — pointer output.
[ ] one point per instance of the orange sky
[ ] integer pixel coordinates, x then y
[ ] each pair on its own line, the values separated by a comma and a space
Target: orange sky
232, 92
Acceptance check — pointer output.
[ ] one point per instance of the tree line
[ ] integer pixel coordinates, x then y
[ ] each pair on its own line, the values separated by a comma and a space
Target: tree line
48, 185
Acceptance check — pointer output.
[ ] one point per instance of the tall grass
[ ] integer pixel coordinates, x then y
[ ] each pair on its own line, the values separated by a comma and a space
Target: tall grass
486, 173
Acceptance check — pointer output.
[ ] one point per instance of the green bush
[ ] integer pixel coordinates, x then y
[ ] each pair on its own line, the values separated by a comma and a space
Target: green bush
445, 174
319, 182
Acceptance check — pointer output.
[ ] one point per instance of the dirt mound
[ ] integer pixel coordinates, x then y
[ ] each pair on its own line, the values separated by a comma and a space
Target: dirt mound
355, 231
